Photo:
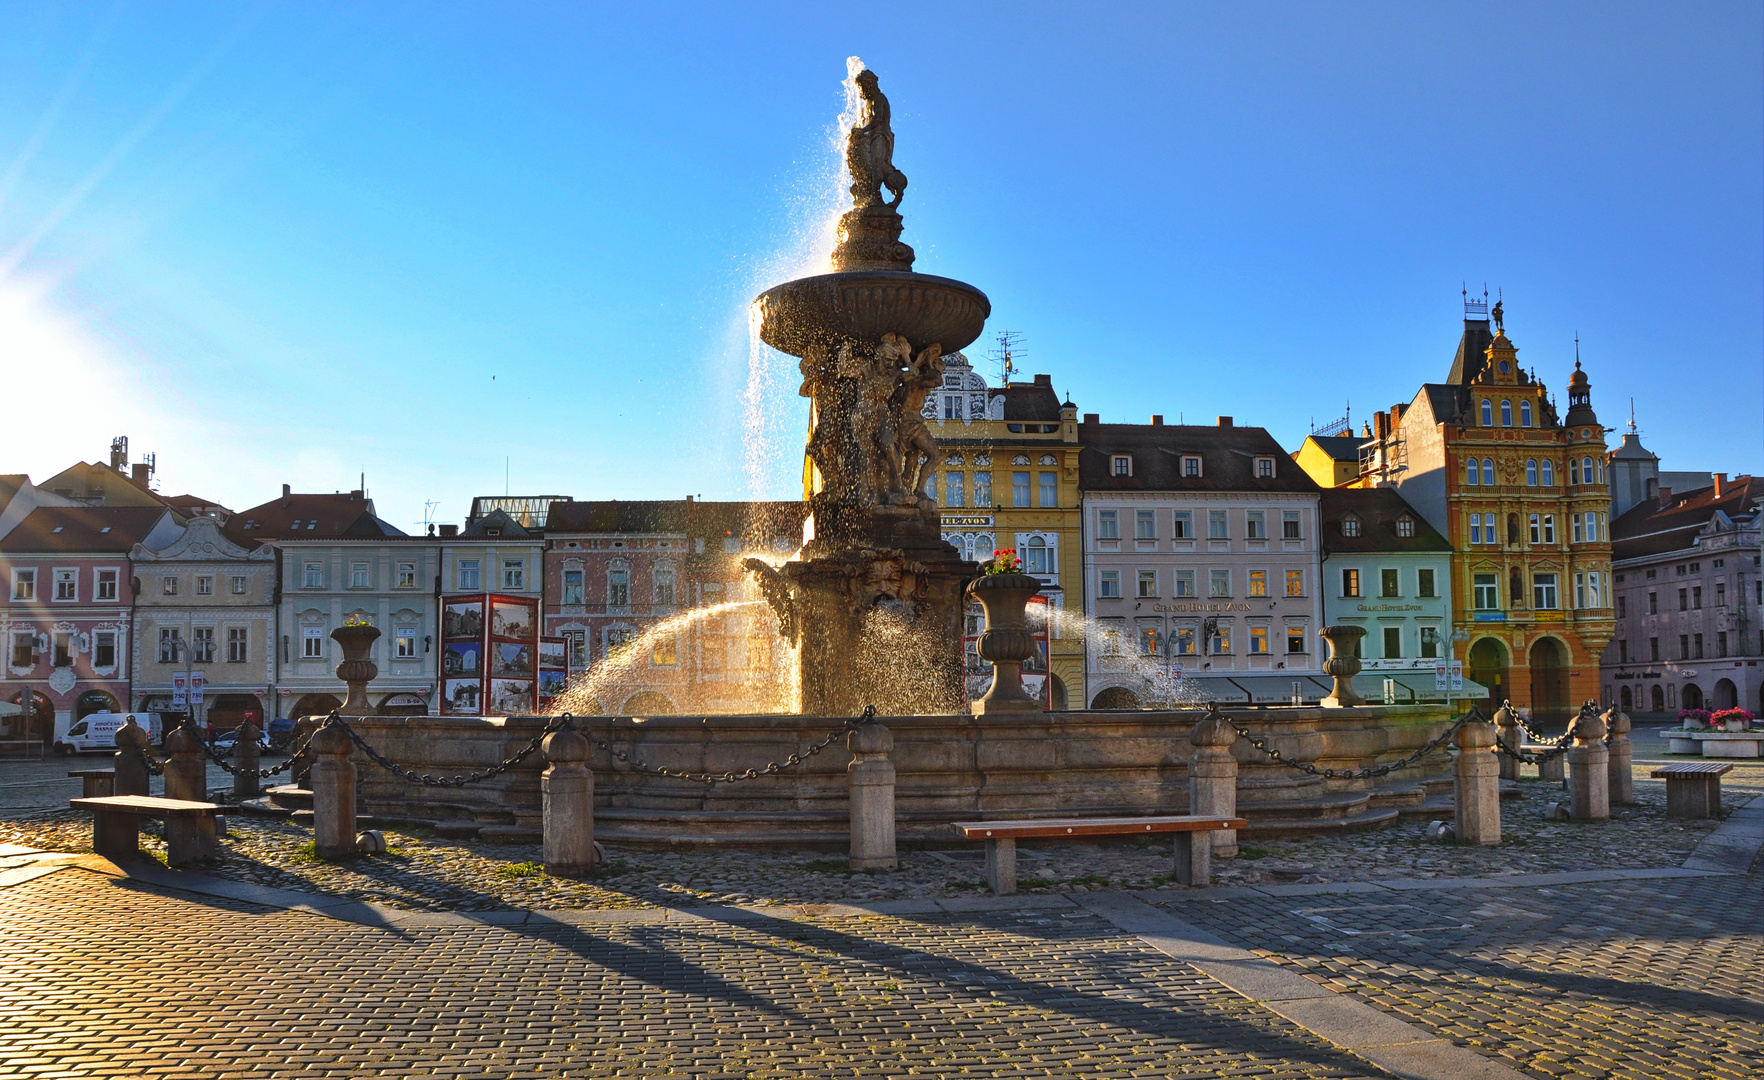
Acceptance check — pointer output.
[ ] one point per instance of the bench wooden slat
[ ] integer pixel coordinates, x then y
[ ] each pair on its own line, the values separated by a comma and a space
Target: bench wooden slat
1700, 768
145, 805
1031, 828
83, 773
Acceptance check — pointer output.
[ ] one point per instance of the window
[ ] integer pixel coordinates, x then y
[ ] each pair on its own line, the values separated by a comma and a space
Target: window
168, 644
1109, 585
618, 587
1393, 642
1148, 584
1424, 582
1289, 526
1019, 489
1683, 600
1721, 594
1721, 643
1586, 470
664, 586
63, 655
1350, 525
1108, 525
572, 587
1405, 526
1121, 465
67, 584
1530, 472
1684, 646
1595, 593
1295, 640
1654, 650
982, 489
1487, 413
1574, 519
1622, 603
202, 645
1264, 471
204, 585
1487, 588
240, 584
1488, 472
312, 575
1148, 641
24, 649
576, 644
1183, 583
24, 584
169, 585
1543, 592
931, 485
404, 643
1182, 644
1295, 583
1217, 525
1525, 414
1653, 603
1219, 583
1182, 525
238, 647
1191, 465
1506, 414
358, 576
514, 575
1429, 643
1350, 582
1388, 583
1622, 652
1258, 641
469, 579
407, 575
1547, 471
1037, 556
1536, 529
1255, 524
1050, 491
1145, 525
1258, 583
665, 652
1476, 528
312, 643
1220, 643
618, 640
104, 649
1593, 521
106, 585
1573, 471
1470, 472
1696, 598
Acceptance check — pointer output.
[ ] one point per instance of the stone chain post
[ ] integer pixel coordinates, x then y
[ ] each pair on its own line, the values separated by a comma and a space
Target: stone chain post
872, 797
1506, 723
1476, 784
333, 793
131, 771
1589, 769
567, 788
247, 758
1622, 751
1212, 777
186, 772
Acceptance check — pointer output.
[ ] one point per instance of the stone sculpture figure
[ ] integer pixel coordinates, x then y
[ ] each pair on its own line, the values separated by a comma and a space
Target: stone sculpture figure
869, 148
917, 447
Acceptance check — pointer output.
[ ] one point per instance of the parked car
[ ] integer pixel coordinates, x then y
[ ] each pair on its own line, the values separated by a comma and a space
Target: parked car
96, 732
224, 742
281, 733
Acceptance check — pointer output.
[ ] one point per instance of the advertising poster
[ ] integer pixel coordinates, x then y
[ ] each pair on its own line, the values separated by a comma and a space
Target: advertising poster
554, 671
489, 655
462, 655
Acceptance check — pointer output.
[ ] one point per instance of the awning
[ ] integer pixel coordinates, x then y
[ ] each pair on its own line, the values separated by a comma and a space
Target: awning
1278, 689
1413, 686
1215, 688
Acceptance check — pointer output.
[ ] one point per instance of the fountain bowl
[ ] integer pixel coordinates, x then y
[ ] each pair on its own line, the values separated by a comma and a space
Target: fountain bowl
866, 304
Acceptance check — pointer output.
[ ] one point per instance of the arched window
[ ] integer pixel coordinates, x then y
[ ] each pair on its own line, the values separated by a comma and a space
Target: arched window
1530, 472
1487, 413
1506, 414
1573, 471
1525, 414
1470, 472
1548, 469
1488, 472
1586, 469
1035, 556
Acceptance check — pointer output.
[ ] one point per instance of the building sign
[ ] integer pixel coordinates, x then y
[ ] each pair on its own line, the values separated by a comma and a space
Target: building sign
967, 521
1389, 607
1488, 616
195, 687
1202, 607
1448, 677
180, 690
1548, 616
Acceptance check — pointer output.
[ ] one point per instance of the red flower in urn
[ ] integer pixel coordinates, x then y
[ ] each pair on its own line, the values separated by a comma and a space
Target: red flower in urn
1004, 561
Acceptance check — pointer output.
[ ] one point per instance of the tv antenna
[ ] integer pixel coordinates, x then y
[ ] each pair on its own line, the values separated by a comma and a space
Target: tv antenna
1006, 352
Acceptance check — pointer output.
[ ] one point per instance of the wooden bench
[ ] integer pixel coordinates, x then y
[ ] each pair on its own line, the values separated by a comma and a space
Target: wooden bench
1693, 789
1194, 841
116, 826
98, 782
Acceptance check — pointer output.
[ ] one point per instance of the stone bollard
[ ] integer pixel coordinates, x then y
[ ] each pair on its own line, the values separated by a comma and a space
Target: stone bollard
1507, 727
1212, 777
247, 758
1476, 785
186, 774
1589, 769
333, 793
1622, 750
871, 776
567, 790
131, 772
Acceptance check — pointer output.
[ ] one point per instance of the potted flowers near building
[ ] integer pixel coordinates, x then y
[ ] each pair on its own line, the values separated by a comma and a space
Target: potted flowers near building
1694, 719
1003, 591
1735, 720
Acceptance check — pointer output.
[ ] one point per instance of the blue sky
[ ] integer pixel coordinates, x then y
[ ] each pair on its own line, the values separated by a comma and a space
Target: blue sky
438, 243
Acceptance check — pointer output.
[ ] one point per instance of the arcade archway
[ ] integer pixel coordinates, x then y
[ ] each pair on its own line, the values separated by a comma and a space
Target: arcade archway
1488, 667
1549, 681
1116, 697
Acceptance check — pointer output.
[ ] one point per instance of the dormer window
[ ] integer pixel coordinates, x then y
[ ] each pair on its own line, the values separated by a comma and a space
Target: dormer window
296, 526
1121, 465
311, 525
1350, 525
1405, 526
1191, 465
1264, 468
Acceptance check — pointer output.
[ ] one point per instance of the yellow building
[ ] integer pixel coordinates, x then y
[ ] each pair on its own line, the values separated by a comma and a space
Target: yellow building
1007, 477
1331, 460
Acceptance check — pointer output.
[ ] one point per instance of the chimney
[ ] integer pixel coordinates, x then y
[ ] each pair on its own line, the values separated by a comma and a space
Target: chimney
356, 494
1224, 421
1092, 418
1381, 425
1157, 419
139, 473
449, 531
1665, 497
1044, 380
287, 491
1720, 480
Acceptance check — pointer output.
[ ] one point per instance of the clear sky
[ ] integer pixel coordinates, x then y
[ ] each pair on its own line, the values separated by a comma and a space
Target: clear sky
442, 244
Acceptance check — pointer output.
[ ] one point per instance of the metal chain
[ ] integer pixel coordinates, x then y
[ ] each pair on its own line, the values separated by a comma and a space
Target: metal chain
562, 722
148, 763
262, 774
1555, 750
771, 768
1367, 773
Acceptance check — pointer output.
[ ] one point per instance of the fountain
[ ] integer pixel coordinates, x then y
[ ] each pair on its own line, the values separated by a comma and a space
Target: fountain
871, 336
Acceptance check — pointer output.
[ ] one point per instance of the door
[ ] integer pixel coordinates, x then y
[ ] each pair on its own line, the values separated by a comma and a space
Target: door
1549, 681
1488, 666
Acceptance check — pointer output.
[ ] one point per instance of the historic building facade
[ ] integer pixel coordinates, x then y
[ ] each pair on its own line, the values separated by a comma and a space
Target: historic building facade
1201, 553
68, 619
1521, 493
207, 604
1006, 476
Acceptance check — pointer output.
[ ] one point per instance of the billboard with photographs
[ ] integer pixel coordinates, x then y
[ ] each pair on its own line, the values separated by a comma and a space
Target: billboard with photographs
489, 655
977, 672
554, 671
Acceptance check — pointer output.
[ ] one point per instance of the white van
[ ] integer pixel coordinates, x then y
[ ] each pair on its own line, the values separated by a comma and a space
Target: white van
96, 732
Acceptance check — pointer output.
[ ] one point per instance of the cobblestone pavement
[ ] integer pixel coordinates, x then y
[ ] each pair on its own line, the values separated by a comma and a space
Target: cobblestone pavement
101, 979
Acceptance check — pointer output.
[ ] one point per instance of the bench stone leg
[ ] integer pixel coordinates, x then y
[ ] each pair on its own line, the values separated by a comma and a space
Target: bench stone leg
1689, 797
97, 787
188, 839
1001, 866
116, 836
1194, 858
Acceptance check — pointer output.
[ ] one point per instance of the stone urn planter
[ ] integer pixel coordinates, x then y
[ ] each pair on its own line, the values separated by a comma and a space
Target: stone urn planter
1007, 641
1733, 720
1342, 664
356, 670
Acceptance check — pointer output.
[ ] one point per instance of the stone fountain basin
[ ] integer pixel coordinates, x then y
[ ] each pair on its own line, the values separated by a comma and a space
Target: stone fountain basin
866, 304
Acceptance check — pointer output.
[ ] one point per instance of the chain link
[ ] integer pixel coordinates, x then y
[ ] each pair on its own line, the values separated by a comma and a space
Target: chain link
770, 769
262, 774
1367, 773
559, 724
148, 763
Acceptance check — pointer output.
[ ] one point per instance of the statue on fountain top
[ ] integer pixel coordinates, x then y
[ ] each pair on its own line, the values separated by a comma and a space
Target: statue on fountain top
869, 233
